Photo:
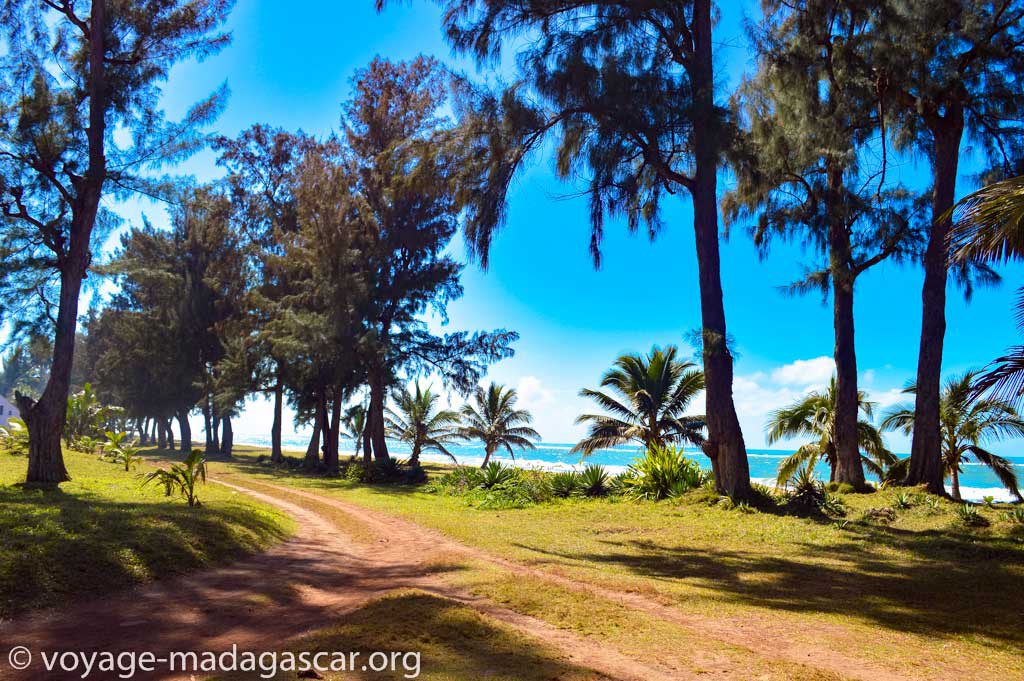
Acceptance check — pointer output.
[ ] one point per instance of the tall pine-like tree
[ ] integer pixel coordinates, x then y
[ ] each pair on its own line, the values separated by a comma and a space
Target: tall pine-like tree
71, 74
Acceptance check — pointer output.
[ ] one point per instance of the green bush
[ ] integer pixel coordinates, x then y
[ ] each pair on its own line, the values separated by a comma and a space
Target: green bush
840, 488
1015, 515
565, 485
594, 481
808, 495
495, 474
970, 516
903, 501
662, 473
182, 478
14, 437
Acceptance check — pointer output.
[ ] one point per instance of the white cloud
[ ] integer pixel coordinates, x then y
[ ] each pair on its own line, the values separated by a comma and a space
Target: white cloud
805, 372
533, 394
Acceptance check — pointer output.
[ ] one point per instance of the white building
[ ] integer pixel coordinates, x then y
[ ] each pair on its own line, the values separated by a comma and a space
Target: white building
7, 410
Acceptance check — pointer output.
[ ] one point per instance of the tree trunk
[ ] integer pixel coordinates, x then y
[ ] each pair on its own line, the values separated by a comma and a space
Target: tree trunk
331, 451
161, 433
926, 445
276, 453
375, 419
487, 457
414, 458
312, 458
185, 428
208, 425
227, 441
143, 435
955, 475
367, 445
724, 446
849, 468
170, 433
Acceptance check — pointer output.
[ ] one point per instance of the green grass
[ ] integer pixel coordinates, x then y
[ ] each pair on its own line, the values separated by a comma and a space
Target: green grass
103, 532
923, 587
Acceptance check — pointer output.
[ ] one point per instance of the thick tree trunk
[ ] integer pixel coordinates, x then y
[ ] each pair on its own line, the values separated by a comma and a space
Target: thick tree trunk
487, 457
331, 451
849, 468
186, 429
414, 457
375, 419
170, 433
161, 433
926, 445
276, 453
142, 425
955, 484
227, 441
724, 445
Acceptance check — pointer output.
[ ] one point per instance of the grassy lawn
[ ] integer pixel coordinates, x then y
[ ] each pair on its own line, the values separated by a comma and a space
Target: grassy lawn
923, 589
102, 532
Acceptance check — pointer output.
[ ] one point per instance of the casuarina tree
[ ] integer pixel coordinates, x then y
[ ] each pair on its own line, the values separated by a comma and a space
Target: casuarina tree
72, 74
625, 91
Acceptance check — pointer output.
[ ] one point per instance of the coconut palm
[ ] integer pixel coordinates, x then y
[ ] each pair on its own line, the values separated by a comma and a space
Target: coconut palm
653, 392
416, 421
353, 423
492, 418
989, 227
967, 421
814, 416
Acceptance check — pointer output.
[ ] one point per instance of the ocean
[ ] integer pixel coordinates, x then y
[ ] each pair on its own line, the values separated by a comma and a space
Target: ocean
976, 481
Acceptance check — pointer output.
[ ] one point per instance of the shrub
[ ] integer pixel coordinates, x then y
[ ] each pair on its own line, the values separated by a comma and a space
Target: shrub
14, 437
496, 474
880, 515
1015, 515
970, 516
989, 500
840, 488
564, 485
594, 481
662, 473
807, 495
903, 501
619, 484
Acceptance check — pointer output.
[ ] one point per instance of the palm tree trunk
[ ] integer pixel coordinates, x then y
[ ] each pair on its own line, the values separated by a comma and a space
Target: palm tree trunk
955, 480
487, 457
926, 445
414, 458
848, 468
724, 446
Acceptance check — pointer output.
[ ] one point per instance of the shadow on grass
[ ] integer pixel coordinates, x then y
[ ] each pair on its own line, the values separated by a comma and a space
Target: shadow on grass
54, 545
944, 584
453, 641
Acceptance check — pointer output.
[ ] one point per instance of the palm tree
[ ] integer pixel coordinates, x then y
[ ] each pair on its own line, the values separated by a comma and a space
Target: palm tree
814, 416
989, 227
967, 421
653, 392
416, 421
354, 425
495, 421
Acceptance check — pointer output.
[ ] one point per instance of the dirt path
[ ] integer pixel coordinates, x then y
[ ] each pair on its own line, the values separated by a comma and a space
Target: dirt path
765, 638
260, 602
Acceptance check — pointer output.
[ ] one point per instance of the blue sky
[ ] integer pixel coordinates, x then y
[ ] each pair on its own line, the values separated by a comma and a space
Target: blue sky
292, 70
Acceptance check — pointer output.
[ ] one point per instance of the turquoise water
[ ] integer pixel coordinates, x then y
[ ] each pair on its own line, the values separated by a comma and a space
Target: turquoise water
976, 481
